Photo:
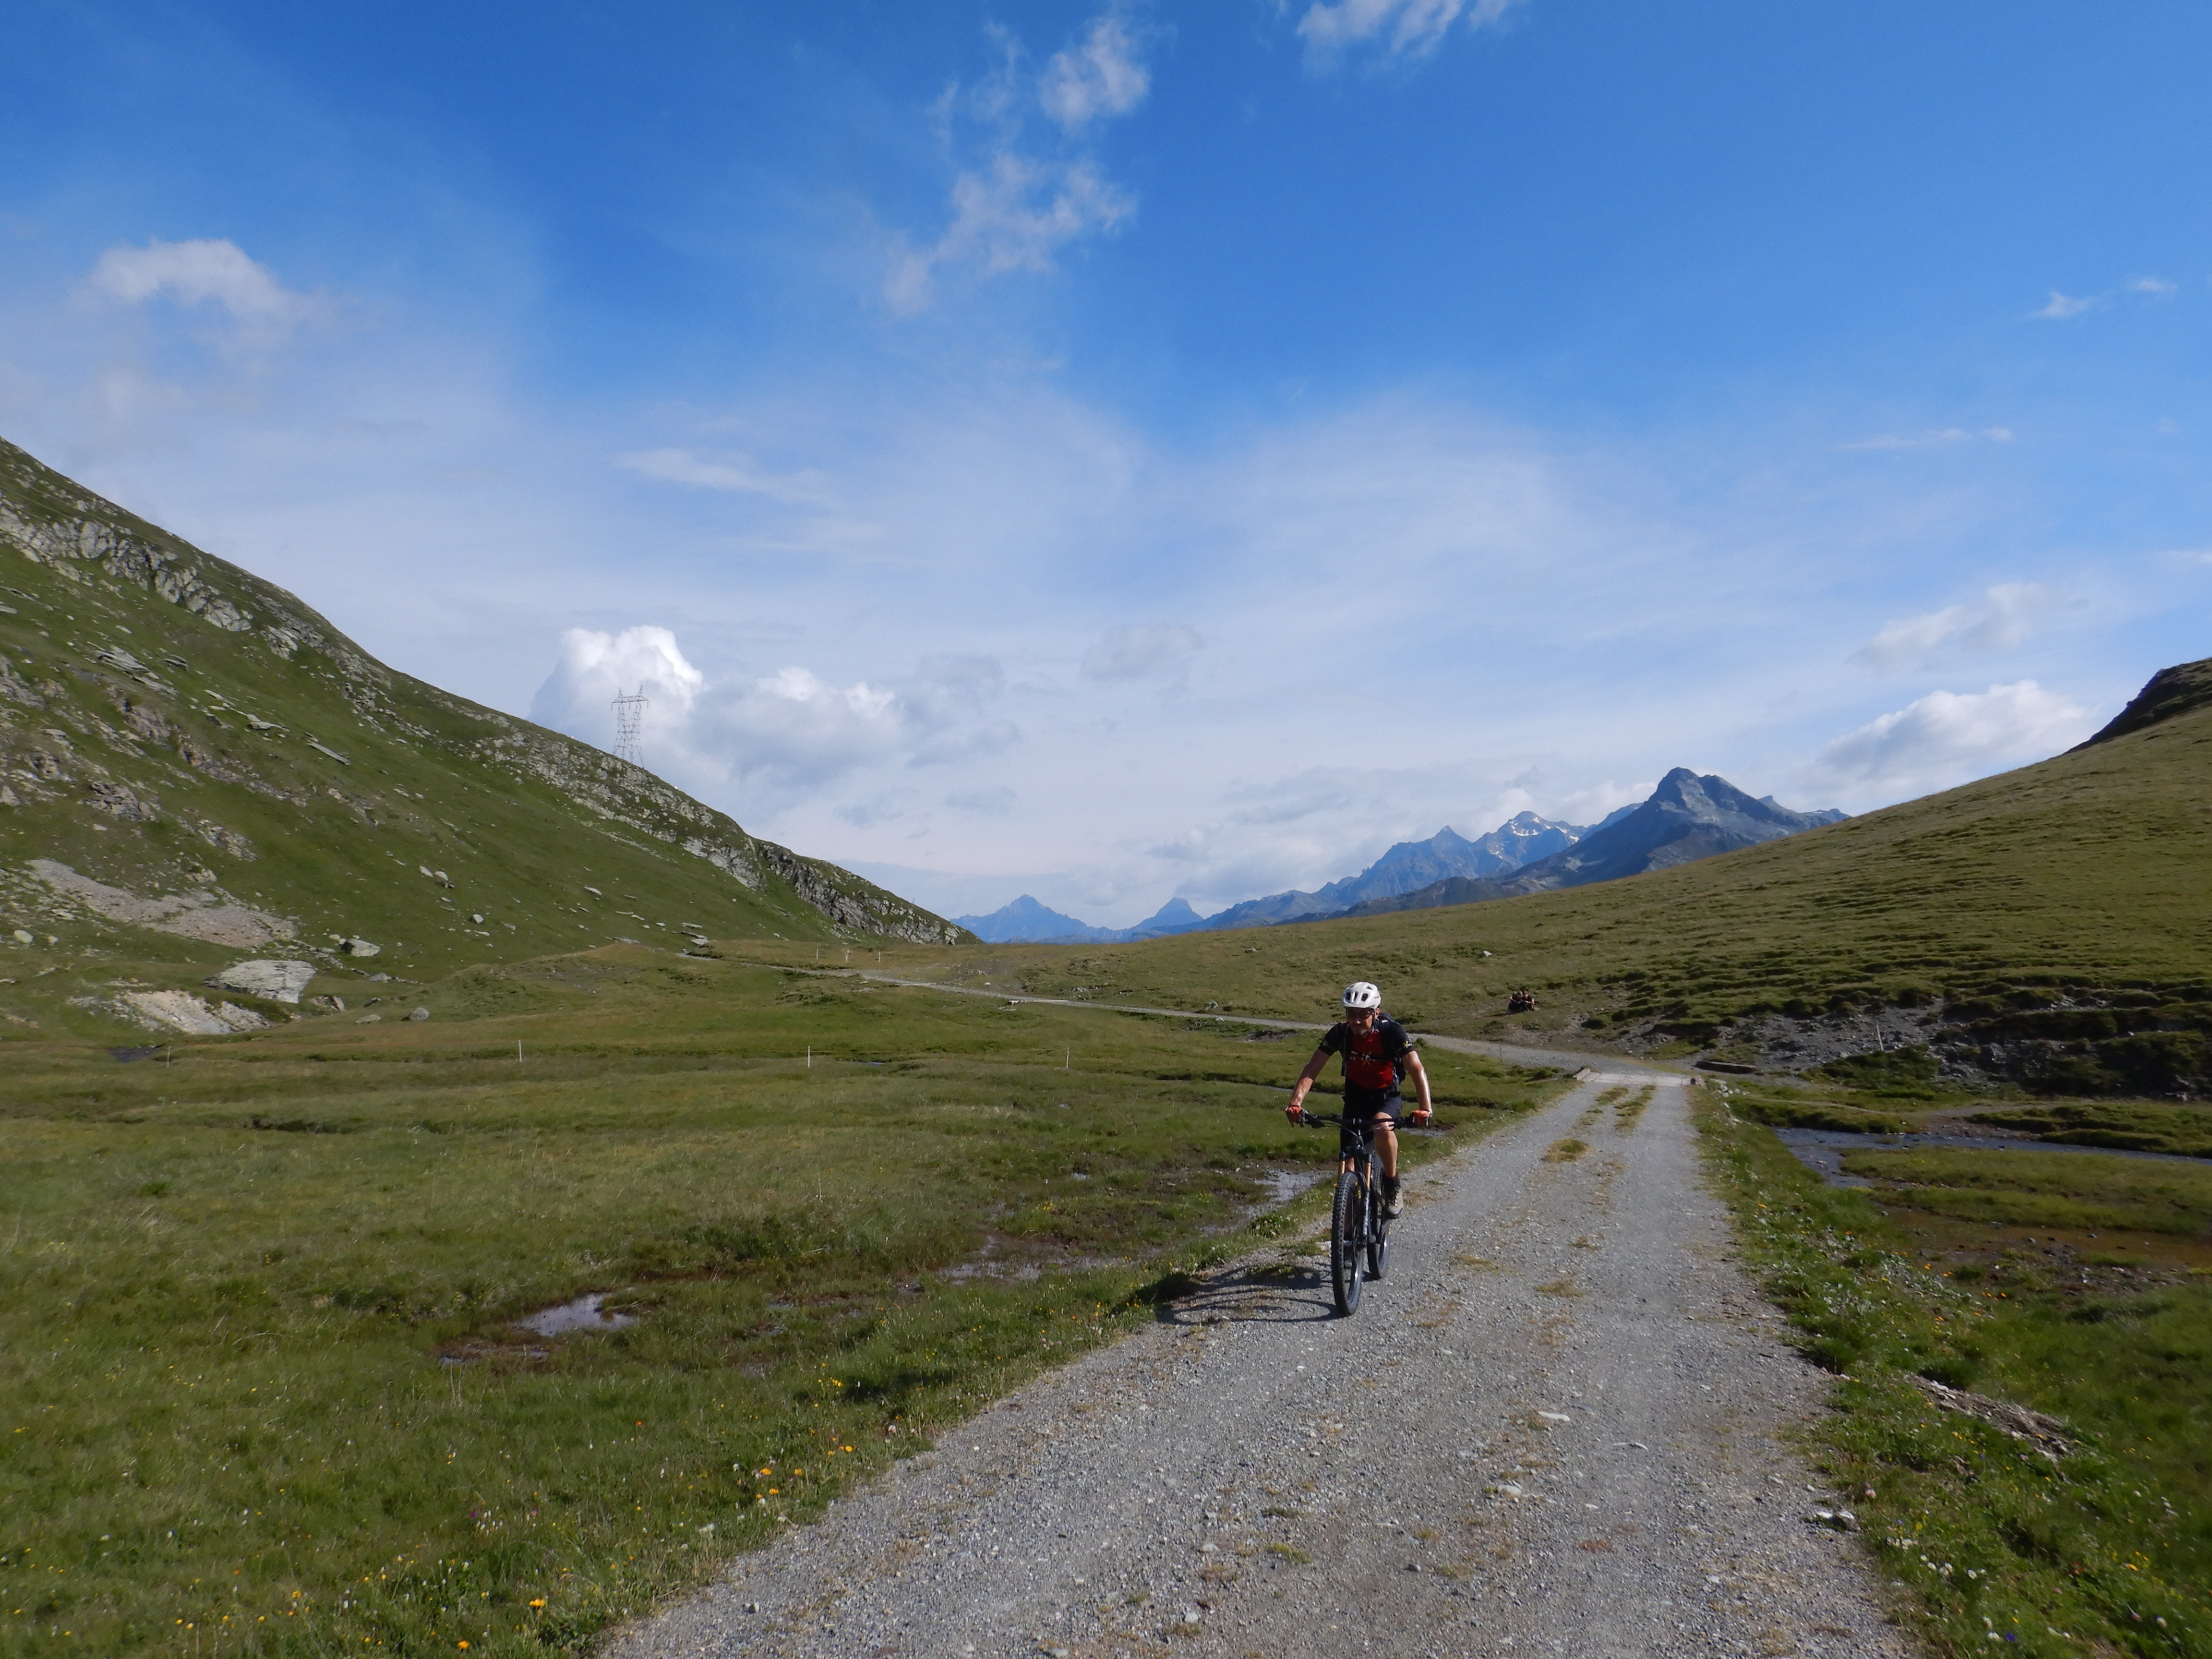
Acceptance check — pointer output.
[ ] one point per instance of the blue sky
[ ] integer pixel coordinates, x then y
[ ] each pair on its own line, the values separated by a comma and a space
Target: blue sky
1118, 452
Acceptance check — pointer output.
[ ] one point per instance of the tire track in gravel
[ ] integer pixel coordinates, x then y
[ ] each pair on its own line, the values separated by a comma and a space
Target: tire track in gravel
1558, 1427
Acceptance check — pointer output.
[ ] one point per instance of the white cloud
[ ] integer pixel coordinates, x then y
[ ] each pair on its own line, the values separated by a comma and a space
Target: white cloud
1948, 737
995, 801
731, 472
2158, 287
1100, 77
1014, 214
793, 729
203, 273
1016, 205
778, 737
595, 667
1401, 29
1934, 438
1156, 652
2002, 618
1378, 579
2063, 306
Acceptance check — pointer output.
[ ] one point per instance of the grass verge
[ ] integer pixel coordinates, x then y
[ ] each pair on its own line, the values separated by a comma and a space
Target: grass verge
2106, 1550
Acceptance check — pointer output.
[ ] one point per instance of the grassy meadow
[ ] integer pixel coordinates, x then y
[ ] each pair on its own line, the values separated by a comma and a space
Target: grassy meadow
2078, 1284
262, 1389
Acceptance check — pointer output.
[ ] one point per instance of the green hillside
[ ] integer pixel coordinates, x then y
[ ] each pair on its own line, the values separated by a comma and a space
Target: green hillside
2052, 926
195, 767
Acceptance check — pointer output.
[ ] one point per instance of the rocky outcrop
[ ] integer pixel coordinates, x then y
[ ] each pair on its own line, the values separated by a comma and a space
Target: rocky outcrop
617, 791
53, 522
180, 1011
200, 916
2079, 1041
2170, 691
861, 906
278, 980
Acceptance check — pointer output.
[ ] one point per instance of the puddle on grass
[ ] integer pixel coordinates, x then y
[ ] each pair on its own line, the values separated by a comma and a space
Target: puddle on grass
584, 1314
1822, 1151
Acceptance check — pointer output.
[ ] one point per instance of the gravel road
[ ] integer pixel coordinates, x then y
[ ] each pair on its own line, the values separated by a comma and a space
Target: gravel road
1559, 1425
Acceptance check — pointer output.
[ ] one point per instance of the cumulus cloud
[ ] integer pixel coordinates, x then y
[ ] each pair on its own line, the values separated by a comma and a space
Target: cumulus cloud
1399, 29
1102, 76
1016, 204
1935, 438
1158, 652
795, 729
787, 733
594, 668
2063, 306
2002, 618
205, 272
1948, 738
732, 472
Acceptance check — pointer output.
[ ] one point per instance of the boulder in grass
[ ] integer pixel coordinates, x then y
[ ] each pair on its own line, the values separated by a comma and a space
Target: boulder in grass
180, 1011
280, 981
359, 947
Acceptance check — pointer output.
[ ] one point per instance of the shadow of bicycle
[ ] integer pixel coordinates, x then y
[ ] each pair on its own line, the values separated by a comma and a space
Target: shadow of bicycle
1271, 1295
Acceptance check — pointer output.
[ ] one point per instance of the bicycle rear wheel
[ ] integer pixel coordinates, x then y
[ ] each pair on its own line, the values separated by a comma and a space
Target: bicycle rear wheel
1347, 1236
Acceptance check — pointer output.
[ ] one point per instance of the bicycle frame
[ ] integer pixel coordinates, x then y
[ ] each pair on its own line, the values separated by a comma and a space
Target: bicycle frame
1356, 1224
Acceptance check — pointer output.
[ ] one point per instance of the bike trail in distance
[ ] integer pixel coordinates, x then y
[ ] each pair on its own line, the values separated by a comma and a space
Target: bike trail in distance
1515, 1053
1561, 1425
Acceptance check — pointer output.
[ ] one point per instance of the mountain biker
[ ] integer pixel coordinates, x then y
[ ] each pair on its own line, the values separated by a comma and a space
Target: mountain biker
1377, 1054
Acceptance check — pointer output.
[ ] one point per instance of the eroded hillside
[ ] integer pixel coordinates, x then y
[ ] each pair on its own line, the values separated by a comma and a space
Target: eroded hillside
192, 763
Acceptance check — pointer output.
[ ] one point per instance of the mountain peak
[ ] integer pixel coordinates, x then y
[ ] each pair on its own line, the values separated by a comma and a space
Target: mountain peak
1688, 815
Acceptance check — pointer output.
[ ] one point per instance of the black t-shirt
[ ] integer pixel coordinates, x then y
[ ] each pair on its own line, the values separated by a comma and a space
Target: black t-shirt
1374, 1059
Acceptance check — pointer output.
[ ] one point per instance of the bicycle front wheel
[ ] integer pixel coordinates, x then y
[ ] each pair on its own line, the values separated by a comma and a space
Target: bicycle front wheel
1378, 1237
1348, 1237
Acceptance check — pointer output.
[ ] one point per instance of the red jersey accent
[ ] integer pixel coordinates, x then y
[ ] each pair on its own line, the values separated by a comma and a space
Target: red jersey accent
1371, 1057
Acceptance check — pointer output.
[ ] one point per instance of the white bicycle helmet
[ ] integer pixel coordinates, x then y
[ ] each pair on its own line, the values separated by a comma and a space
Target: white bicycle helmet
1361, 994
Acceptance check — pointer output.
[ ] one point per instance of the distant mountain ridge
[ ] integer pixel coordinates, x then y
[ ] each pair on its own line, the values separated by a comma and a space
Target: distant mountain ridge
1026, 922
1409, 865
1687, 818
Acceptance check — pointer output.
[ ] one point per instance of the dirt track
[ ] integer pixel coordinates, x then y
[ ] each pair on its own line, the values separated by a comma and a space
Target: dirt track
1556, 1427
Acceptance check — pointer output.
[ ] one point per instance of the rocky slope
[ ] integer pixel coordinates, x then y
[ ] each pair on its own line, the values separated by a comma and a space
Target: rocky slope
179, 733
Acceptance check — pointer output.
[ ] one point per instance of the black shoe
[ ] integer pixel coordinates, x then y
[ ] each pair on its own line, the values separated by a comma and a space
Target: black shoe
1394, 1205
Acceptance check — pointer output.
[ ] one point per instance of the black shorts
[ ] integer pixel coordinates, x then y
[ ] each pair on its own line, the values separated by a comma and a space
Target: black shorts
1370, 1105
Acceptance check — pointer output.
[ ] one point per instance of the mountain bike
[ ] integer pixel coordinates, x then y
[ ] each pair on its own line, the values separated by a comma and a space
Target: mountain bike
1357, 1225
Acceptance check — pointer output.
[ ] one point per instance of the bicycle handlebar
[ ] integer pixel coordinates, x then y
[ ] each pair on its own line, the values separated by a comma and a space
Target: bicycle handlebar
1310, 1118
